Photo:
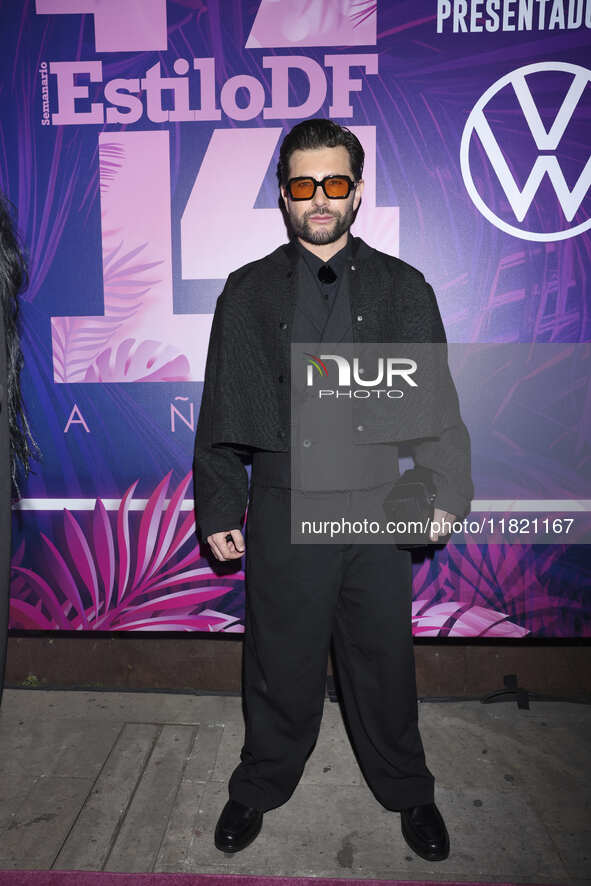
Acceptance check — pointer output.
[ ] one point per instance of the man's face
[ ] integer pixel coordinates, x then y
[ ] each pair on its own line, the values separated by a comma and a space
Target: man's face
321, 220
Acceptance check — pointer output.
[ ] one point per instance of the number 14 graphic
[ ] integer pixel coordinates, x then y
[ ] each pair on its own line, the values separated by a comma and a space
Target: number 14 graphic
139, 338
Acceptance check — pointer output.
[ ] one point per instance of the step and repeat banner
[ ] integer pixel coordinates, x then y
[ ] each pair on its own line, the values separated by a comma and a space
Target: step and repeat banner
139, 143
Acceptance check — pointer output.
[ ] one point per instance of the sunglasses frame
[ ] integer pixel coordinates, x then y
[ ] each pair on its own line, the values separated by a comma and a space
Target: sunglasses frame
352, 186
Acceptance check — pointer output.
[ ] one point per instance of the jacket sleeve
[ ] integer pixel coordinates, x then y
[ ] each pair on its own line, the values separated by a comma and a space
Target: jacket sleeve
219, 472
448, 455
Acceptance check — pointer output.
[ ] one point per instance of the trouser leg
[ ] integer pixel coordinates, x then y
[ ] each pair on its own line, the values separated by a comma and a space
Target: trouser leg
291, 591
375, 666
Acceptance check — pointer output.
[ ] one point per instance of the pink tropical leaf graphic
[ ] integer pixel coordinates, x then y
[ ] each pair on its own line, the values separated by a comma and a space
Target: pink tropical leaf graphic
123, 540
163, 551
57, 566
147, 361
122, 574
313, 23
460, 620
77, 341
105, 549
111, 160
486, 591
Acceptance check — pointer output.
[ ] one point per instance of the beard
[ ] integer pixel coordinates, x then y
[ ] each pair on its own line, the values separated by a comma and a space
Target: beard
326, 233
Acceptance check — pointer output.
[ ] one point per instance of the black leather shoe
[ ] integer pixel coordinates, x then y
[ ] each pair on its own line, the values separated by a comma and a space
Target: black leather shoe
424, 830
237, 826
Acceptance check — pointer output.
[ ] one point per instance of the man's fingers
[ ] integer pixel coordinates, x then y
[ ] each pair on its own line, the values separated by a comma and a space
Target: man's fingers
237, 540
216, 551
440, 517
227, 545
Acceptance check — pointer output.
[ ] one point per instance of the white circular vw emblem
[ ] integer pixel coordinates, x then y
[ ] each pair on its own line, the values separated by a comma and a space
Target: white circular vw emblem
518, 199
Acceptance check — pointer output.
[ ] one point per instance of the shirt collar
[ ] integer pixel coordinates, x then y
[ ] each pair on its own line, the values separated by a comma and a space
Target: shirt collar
337, 262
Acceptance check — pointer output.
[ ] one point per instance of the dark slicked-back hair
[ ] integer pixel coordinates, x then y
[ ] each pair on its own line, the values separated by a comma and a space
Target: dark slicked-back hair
319, 133
14, 278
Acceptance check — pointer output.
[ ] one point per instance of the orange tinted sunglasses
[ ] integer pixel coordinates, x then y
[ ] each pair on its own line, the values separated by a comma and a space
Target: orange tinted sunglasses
336, 187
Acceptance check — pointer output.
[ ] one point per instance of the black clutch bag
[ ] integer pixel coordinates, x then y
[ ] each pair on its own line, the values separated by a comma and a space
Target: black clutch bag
411, 501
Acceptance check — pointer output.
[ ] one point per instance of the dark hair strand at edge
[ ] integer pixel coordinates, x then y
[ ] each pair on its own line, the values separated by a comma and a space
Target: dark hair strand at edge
13, 279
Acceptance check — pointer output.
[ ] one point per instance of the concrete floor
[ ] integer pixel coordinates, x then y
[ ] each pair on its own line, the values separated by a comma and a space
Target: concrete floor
135, 782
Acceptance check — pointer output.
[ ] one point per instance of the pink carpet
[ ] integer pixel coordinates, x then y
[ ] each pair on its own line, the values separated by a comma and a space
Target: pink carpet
94, 878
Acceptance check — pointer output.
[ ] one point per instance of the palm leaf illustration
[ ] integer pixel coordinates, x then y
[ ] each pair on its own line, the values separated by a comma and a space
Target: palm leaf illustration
123, 574
487, 590
77, 341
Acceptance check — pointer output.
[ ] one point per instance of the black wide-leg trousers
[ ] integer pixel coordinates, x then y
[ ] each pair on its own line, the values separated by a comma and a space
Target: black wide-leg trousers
298, 597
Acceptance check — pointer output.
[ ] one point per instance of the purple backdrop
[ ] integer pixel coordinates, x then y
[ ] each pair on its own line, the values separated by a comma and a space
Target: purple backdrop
124, 130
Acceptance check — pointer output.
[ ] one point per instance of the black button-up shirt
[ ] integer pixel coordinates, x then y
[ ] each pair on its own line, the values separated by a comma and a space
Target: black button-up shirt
337, 262
354, 468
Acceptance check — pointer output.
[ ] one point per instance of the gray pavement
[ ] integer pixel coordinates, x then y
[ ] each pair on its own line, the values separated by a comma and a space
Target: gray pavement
135, 782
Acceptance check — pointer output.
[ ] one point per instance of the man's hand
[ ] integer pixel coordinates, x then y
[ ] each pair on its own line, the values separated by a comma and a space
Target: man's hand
224, 549
438, 517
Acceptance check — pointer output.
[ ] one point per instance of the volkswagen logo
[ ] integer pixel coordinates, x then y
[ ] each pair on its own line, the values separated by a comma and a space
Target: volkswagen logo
547, 162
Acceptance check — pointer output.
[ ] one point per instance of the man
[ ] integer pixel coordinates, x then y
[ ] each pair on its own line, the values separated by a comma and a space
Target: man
299, 597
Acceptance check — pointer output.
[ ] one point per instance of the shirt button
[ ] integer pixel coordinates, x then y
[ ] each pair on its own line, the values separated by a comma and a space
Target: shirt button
282, 324
359, 318
353, 268
360, 427
281, 379
361, 370
307, 443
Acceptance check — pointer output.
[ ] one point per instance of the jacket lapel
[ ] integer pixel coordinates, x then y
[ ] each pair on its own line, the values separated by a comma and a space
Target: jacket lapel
372, 313
338, 322
369, 294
